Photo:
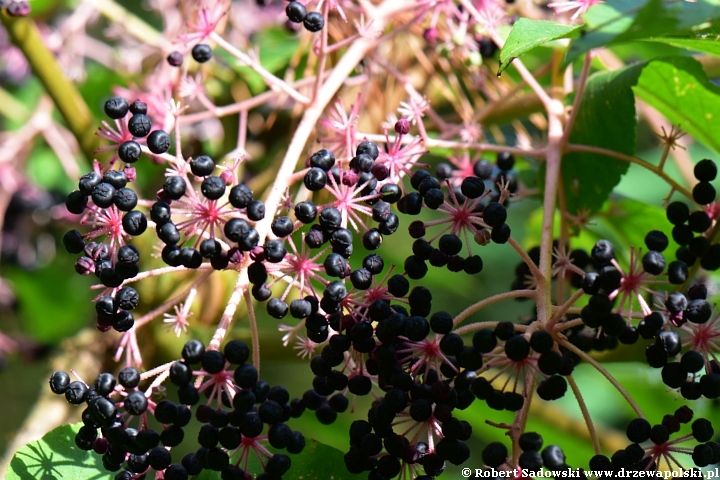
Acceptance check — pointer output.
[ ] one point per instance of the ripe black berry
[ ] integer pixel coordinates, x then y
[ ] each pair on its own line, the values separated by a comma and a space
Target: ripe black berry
139, 125
76, 392
212, 361
450, 244
530, 441
277, 308
116, 108
390, 192
88, 182
59, 382
73, 241
494, 454
677, 213
213, 187
138, 106
135, 403
201, 53
295, 12
702, 430
158, 141
323, 159
669, 342
541, 341
677, 272
127, 298
505, 160
656, 240
315, 179
306, 212
282, 226
168, 233
102, 196
653, 262
602, 253
552, 388
256, 210
330, 219
494, 214
313, 22
134, 223
500, 234
202, 166
76, 201
129, 377
553, 457
472, 187
125, 199
174, 187
236, 352
698, 311
704, 193
116, 178
483, 169
705, 170
410, 204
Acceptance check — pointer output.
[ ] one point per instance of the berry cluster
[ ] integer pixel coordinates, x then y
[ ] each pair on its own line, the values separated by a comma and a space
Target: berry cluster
691, 229
377, 333
201, 53
297, 13
232, 431
108, 204
637, 457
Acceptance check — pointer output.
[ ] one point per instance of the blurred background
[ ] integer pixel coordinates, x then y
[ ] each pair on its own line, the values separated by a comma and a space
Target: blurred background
46, 314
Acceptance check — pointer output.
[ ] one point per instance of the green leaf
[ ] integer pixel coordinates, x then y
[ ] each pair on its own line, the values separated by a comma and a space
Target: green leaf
679, 89
606, 119
317, 461
705, 45
618, 21
527, 34
40, 293
55, 456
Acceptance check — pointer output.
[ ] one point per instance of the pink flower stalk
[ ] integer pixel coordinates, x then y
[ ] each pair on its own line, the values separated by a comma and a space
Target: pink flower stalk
579, 6
399, 159
208, 18
342, 126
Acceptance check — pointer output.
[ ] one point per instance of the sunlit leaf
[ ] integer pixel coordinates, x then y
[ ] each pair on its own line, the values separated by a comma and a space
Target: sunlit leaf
55, 456
528, 34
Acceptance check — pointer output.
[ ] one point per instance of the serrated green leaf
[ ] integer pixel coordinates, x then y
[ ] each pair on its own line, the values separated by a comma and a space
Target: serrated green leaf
317, 461
679, 89
527, 34
606, 119
55, 456
618, 21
